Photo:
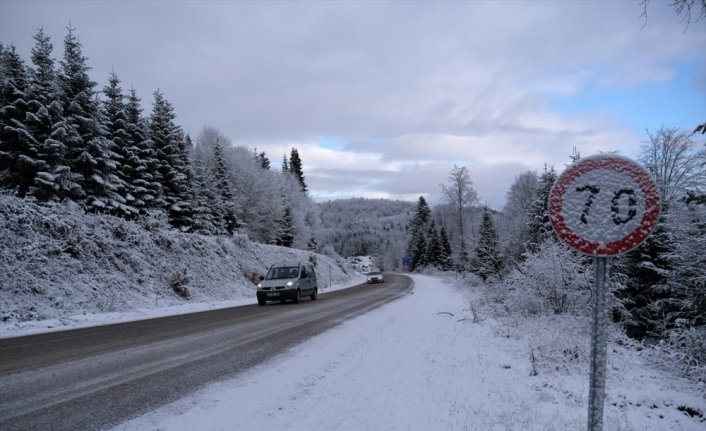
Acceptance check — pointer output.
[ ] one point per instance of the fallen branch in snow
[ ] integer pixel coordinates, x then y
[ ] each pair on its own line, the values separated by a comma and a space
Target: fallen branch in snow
444, 312
533, 372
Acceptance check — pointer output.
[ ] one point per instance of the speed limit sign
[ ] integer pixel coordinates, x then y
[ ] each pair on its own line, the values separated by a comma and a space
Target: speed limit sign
604, 205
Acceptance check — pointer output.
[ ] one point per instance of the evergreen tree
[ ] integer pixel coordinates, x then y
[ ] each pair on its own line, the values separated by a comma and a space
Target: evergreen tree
262, 160
539, 226
417, 249
224, 189
44, 157
207, 215
647, 271
464, 260
146, 188
285, 238
285, 164
172, 157
15, 139
296, 168
446, 252
90, 154
487, 260
686, 305
419, 253
434, 252
126, 152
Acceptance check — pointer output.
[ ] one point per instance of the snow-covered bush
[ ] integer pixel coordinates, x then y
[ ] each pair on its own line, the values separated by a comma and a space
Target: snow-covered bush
552, 280
688, 347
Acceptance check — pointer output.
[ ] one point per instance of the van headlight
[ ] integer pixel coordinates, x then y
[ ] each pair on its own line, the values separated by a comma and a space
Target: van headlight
289, 284
259, 285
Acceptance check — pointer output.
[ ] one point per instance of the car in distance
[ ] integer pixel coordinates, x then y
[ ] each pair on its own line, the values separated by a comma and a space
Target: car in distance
375, 277
288, 280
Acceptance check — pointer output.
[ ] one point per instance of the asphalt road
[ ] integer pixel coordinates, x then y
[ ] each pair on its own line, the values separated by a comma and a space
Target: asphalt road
95, 378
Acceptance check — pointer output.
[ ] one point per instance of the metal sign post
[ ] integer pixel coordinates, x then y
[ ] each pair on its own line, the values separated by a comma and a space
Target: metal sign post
599, 346
603, 206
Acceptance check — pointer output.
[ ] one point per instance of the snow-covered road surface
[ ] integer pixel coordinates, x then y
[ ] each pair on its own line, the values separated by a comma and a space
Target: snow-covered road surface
423, 363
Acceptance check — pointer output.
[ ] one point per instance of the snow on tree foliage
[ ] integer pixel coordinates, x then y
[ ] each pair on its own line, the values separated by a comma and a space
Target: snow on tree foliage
445, 258
487, 261
173, 168
141, 162
358, 226
642, 291
285, 236
14, 134
296, 168
126, 151
224, 189
513, 223
90, 155
539, 226
418, 248
262, 159
46, 173
462, 197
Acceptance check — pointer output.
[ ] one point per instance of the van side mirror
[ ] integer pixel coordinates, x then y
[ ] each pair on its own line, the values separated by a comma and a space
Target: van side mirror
262, 277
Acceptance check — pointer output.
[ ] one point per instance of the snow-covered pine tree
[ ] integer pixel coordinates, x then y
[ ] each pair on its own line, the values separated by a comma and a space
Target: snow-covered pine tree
285, 237
418, 253
434, 252
417, 248
285, 164
14, 135
44, 159
262, 160
207, 218
90, 154
487, 261
686, 306
296, 168
463, 261
224, 189
446, 252
172, 169
126, 151
146, 188
539, 226
647, 270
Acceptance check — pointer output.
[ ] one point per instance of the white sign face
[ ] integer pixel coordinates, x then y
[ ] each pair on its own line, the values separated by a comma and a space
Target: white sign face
604, 205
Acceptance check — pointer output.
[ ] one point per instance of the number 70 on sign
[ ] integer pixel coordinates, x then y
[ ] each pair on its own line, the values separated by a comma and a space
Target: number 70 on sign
604, 205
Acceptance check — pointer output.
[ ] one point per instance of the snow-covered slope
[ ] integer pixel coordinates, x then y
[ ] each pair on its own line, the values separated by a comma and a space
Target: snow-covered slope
59, 266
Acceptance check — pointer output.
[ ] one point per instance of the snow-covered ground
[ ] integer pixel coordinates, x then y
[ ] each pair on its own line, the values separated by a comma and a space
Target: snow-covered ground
438, 360
61, 268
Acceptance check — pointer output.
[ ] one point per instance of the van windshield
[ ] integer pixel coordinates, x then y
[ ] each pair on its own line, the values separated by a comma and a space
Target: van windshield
282, 272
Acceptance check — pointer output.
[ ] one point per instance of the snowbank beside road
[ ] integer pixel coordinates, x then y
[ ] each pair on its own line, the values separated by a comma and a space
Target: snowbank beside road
427, 362
61, 268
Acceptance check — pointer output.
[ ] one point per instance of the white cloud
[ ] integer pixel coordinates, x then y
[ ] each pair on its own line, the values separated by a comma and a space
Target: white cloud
408, 88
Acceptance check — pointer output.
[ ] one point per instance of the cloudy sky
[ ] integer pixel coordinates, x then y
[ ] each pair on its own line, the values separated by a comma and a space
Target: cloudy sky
382, 98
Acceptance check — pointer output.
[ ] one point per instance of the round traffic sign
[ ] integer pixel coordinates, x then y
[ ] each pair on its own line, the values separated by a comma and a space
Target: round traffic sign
604, 205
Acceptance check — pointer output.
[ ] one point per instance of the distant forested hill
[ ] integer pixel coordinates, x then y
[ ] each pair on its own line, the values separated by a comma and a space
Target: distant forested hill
362, 227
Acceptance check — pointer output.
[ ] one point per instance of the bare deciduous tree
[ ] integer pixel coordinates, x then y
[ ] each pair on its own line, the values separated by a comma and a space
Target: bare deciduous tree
687, 9
462, 196
677, 162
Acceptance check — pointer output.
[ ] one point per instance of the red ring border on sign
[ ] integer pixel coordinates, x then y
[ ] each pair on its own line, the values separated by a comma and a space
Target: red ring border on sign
611, 162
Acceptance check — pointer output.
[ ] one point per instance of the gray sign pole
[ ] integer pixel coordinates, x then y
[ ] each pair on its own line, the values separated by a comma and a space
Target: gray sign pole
599, 347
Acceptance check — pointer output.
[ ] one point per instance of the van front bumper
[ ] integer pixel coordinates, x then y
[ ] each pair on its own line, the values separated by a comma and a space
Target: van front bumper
276, 294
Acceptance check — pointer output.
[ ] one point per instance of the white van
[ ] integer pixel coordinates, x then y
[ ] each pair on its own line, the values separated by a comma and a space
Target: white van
288, 280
